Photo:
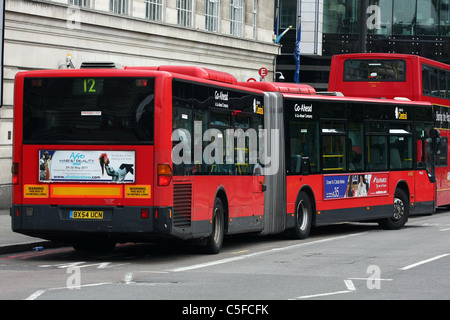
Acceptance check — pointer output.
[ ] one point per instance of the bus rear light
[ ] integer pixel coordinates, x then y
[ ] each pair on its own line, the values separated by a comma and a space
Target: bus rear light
15, 173
164, 175
145, 213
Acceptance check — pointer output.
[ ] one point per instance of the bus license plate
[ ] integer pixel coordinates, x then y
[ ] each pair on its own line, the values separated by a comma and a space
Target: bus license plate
89, 215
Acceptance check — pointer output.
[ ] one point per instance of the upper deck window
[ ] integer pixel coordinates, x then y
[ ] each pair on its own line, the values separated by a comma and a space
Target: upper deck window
374, 70
88, 110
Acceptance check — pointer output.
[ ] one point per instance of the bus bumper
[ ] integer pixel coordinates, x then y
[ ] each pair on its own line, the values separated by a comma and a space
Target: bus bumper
65, 223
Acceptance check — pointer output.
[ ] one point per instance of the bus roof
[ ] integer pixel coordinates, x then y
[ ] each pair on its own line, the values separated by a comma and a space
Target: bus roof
356, 99
193, 71
375, 55
282, 87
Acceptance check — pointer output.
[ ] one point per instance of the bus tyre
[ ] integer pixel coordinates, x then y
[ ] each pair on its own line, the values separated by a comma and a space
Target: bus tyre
303, 217
400, 214
215, 240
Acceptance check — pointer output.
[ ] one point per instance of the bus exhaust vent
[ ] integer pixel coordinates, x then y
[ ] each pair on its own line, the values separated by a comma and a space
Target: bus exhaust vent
182, 204
100, 65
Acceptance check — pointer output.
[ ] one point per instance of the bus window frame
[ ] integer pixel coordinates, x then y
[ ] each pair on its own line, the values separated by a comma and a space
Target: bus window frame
346, 79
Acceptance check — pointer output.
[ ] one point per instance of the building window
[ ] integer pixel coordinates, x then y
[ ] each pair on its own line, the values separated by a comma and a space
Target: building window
119, 6
81, 3
288, 13
153, 9
341, 17
236, 17
212, 15
184, 13
255, 18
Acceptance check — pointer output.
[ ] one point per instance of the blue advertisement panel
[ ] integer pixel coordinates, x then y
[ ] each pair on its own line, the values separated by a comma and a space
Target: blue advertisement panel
356, 185
335, 186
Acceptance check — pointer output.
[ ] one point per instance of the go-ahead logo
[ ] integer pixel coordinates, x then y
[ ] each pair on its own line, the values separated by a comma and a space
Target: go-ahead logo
303, 108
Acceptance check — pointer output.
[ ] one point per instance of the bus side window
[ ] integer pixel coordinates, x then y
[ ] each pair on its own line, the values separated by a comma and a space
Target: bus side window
376, 153
355, 140
425, 80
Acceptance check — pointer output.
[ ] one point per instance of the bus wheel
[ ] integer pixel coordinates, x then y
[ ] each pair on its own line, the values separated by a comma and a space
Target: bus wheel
215, 240
303, 217
400, 214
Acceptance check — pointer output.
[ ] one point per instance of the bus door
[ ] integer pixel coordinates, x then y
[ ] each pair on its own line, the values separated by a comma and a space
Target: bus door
439, 145
426, 183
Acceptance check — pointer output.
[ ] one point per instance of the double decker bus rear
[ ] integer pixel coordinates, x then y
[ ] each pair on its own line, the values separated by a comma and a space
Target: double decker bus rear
83, 157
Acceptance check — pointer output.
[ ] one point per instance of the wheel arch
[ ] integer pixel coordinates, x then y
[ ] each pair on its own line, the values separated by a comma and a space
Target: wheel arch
308, 190
403, 185
222, 195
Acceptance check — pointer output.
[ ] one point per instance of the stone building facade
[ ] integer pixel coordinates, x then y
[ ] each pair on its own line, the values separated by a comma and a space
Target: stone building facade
234, 36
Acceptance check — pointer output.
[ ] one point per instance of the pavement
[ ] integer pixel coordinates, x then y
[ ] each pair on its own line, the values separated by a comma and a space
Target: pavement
12, 242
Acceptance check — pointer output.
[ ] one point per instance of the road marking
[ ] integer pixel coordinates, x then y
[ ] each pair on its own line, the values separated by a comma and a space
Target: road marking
239, 252
446, 229
35, 295
128, 278
260, 253
424, 261
323, 294
349, 284
38, 293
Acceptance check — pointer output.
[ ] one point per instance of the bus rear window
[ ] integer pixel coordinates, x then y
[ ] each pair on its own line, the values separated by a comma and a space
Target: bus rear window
374, 70
88, 110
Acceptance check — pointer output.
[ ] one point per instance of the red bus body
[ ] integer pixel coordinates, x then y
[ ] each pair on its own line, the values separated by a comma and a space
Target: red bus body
155, 204
104, 156
424, 80
415, 181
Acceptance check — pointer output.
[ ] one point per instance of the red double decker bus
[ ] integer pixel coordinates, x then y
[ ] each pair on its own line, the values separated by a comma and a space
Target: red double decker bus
402, 76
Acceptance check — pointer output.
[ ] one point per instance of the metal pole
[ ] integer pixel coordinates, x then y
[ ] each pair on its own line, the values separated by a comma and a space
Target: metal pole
363, 25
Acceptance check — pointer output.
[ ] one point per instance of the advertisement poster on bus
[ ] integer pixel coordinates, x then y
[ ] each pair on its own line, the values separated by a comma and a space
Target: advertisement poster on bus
86, 166
357, 185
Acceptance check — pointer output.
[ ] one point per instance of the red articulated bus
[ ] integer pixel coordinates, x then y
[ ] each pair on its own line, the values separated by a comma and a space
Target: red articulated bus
102, 156
402, 76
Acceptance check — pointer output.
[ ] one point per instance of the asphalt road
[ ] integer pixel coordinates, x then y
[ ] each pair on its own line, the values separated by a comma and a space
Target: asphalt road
345, 262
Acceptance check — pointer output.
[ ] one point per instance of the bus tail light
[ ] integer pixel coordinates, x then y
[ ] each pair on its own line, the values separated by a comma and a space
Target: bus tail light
15, 173
145, 213
164, 175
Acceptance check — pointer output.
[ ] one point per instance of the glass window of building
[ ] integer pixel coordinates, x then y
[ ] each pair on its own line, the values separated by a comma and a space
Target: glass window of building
119, 6
404, 16
445, 18
427, 18
153, 9
81, 3
212, 15
255, 17
184, 13
288, 13
236, 17
341, 16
